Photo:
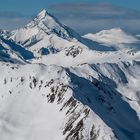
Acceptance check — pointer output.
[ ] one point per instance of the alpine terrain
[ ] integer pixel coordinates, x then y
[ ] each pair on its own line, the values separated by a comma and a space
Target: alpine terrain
58, 85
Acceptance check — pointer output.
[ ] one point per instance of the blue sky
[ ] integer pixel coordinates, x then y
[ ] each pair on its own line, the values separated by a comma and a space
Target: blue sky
33, 6
82, 15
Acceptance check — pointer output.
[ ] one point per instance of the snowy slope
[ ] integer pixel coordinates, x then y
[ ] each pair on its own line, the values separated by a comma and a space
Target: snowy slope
11, 52
114, 37
39, 103
65, 87
45, 34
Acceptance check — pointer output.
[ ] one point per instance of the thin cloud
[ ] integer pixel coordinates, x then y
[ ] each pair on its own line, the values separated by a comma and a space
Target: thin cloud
83, 18
10, 20
10, 14
86, 18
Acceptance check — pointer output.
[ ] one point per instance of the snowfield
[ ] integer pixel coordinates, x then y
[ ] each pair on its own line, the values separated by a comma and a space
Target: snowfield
57, 85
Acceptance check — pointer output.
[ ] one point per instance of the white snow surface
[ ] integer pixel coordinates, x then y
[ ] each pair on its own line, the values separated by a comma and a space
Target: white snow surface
114, 37
56, 85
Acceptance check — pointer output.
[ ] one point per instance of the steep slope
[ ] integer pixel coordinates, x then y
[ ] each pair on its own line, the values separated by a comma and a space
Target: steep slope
10, 51
68, 91
46, 23
45, 34
114, 105
88, 100
37, 102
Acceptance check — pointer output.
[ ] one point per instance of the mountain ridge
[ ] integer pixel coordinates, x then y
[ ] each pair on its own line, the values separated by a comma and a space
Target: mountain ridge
65, 87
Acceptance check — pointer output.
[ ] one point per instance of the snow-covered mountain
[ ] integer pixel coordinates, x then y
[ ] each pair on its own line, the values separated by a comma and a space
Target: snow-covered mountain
115, 37
12, 52
45, 34
57, 85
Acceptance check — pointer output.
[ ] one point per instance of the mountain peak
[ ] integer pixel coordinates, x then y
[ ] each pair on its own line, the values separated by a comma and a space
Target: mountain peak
113, 37
42, 14
44, 24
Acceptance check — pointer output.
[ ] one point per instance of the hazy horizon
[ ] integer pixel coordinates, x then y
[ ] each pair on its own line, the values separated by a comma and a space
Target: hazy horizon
83, 17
